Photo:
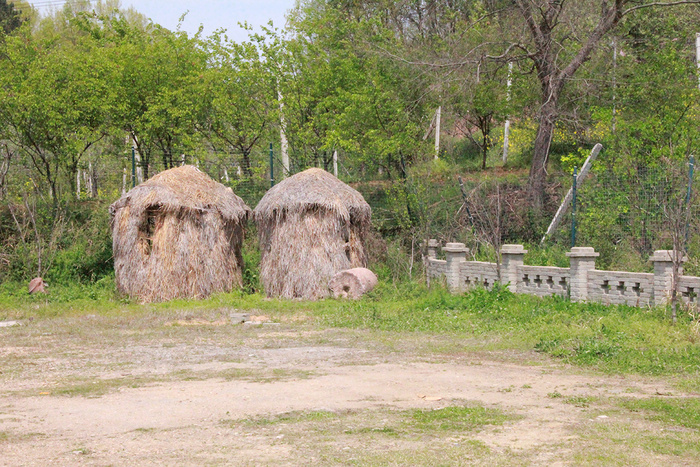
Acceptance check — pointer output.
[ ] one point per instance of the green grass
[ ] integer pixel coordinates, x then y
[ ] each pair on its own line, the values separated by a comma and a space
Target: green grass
683, 412
629, 443
96, 387
382, 436
612, 339
467, 418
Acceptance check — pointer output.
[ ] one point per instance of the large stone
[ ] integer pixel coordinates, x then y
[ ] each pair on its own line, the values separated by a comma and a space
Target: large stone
37, 285
352, 283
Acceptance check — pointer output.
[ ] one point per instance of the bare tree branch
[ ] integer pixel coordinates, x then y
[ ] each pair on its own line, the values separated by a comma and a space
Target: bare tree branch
660, 4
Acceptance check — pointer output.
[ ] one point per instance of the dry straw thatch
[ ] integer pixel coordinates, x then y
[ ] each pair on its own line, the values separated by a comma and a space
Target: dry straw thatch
310, 226
178, 235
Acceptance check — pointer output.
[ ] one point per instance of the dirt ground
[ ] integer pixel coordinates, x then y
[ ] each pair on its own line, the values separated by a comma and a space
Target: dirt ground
208, 392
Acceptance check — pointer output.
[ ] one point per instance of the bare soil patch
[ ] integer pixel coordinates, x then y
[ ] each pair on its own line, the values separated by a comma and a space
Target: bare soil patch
110, 392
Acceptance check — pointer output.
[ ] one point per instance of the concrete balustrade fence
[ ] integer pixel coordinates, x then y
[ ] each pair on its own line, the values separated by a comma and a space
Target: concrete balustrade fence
581, 281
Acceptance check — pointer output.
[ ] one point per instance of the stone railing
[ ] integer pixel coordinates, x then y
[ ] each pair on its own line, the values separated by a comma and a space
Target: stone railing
580, 281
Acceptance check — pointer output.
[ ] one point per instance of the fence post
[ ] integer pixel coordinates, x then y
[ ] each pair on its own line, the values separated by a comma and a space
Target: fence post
456, 255
581, 261
663, 275
511, 259
432, 248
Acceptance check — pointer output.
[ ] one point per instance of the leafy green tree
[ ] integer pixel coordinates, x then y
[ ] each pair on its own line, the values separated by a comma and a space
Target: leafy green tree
57, 103
561, 37
240, 102
346, 94
478, 107
10, 19
158, 76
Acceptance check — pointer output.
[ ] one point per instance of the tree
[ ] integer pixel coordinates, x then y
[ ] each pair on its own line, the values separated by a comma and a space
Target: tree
159, 74
56, 104
10, 19
557, 51
344, 93
478, 106
240, 101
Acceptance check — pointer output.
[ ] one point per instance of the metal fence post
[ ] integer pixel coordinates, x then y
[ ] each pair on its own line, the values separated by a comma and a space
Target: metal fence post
687, 199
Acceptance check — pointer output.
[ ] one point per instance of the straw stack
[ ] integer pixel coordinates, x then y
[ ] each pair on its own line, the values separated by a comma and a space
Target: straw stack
178, 235
310, 226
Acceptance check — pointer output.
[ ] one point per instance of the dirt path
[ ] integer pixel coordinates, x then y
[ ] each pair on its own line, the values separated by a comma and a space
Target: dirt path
203, 417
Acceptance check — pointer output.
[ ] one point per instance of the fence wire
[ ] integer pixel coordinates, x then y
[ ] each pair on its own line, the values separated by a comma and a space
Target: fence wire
626, 213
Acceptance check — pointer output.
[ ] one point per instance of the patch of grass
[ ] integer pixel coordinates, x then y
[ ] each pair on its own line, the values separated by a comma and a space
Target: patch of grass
85, 387
456, 418
376, 437
287, 418
613, 339
259, 376
9, 437
579, 401
98, 387
688, 384
683, 412
614, 443
463, 452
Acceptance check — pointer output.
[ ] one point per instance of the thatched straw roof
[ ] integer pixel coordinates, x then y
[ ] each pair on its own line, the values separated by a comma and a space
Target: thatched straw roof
313, 187
184, 188
178, 235
310, 226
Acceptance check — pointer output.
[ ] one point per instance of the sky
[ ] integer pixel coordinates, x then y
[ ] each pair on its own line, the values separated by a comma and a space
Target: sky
212, 14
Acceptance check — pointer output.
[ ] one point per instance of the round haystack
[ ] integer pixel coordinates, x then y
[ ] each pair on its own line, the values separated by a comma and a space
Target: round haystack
178, 235
310, 226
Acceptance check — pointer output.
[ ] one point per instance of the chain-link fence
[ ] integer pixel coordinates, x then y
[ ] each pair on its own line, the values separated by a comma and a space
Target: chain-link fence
627, 211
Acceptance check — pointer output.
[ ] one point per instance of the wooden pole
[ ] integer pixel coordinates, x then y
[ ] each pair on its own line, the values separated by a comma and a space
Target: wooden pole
284, 145
437, 132
506, 129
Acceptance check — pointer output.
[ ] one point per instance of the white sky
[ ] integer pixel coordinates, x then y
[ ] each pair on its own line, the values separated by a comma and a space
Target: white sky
212, 14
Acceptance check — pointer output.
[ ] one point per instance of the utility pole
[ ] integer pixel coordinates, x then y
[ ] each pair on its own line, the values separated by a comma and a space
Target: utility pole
335, 162
506, 130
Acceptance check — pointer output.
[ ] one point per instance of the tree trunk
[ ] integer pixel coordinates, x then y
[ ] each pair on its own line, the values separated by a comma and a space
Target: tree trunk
538, 168
246, 164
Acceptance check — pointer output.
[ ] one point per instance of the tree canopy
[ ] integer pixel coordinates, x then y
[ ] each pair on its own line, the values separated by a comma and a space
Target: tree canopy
364, 78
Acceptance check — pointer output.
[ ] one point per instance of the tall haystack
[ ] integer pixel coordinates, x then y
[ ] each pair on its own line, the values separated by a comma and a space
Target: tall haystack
310, 226
178, 235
